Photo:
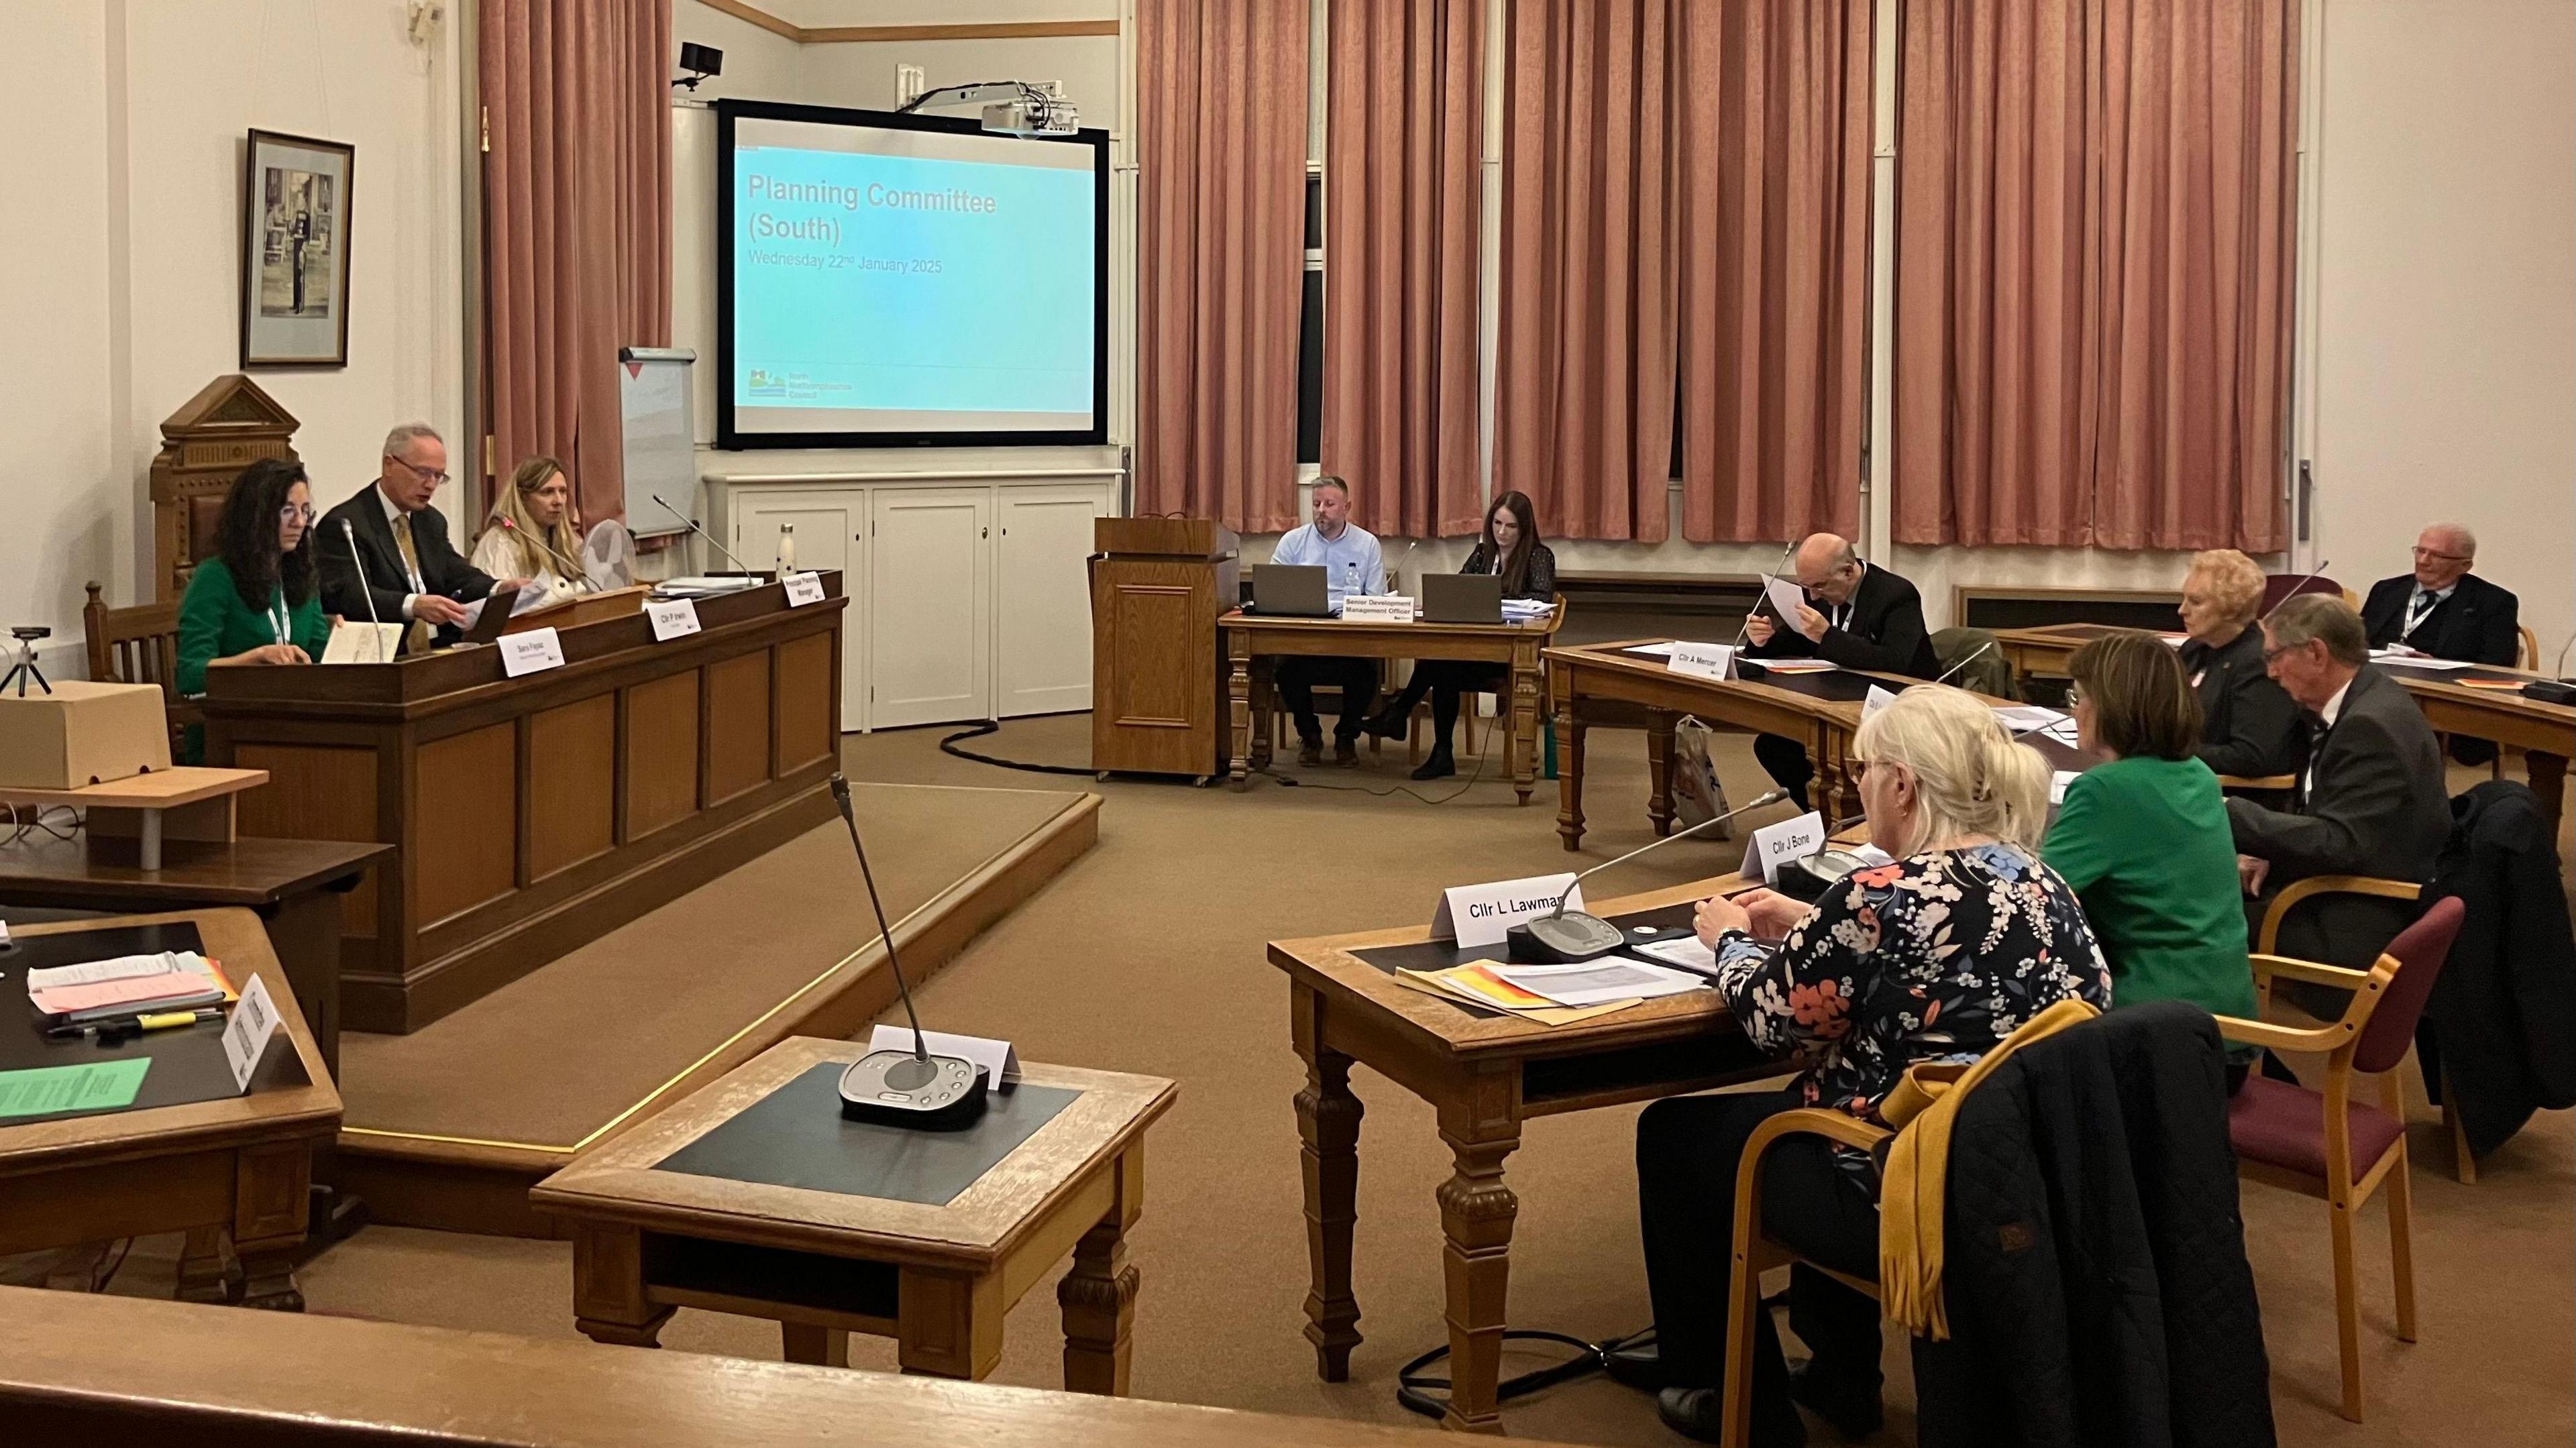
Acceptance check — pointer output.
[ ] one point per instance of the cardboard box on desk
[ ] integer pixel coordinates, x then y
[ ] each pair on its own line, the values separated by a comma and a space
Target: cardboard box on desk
81, 733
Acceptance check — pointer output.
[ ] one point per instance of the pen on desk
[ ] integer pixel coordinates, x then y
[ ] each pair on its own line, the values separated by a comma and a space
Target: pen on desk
158, 1021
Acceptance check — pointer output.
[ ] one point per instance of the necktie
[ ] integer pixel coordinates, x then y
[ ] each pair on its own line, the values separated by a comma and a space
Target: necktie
2317, 729
416, 638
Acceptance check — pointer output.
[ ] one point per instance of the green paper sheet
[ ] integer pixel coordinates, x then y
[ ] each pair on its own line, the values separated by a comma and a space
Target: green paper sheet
90, 1086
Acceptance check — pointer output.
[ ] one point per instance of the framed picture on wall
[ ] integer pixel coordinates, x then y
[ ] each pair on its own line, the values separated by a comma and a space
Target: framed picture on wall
295, 251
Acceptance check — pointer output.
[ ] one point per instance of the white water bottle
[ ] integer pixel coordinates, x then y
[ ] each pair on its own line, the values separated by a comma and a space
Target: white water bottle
786, 548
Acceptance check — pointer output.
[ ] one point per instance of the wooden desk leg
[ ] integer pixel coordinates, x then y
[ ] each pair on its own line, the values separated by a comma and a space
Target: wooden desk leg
1265, 707
822, 1347
1525, 709
1328, 1130
948, 1326
207, 1271
608, 1301
1098, 1297
1238, 693
305, 929
1659, 769
2548, 781
1569, 775
1476, 1216
272, 1202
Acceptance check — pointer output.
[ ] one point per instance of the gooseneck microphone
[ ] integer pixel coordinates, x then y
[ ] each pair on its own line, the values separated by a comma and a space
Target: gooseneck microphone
903, 1088
2294, 590
1785, 550
367, 591
579, 577
703, 533
1963, 663
1568, 937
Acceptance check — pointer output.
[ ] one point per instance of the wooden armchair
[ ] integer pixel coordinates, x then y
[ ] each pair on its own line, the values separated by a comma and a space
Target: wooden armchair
140, 646
1756, 1254
2325, 1144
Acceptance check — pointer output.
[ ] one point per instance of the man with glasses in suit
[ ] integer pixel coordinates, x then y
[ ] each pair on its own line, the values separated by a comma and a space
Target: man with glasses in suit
411, 571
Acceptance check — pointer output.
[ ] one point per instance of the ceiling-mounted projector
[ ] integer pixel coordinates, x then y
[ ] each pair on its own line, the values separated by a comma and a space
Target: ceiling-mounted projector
1011, 107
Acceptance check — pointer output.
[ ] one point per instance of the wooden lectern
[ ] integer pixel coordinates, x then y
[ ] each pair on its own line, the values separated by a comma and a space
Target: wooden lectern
1157, 696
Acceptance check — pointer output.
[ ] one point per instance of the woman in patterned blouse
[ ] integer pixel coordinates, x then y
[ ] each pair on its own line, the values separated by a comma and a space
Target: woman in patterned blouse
1933, 958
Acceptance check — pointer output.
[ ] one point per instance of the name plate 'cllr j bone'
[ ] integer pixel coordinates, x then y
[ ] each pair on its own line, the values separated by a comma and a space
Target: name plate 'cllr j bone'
1775, 845
1479, 915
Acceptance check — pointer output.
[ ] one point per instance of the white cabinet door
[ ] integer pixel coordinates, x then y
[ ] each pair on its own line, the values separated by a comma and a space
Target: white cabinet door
930, 613
1042, 652
831, 532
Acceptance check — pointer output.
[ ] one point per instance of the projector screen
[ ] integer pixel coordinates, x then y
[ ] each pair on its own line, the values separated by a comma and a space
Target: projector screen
889, 280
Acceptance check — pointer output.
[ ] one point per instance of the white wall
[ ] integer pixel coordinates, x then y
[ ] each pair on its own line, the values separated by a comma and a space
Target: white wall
2445, 384
140, 107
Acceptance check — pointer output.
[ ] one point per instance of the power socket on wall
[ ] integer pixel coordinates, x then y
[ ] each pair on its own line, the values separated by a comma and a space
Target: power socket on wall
908, 82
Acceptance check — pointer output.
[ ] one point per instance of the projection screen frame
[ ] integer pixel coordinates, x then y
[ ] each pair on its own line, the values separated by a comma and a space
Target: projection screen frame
731, 439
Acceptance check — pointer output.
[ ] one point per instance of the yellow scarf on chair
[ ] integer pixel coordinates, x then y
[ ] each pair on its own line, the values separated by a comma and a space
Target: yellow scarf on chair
1921, 1108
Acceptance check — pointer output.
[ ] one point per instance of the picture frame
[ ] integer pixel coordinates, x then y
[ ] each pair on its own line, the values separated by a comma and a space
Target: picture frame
295, 250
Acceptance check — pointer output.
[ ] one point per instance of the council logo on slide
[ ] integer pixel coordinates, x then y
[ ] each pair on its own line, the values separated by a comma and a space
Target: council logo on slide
765, 383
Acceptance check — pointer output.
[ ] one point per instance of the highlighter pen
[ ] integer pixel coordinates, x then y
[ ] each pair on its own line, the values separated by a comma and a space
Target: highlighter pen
131, 1025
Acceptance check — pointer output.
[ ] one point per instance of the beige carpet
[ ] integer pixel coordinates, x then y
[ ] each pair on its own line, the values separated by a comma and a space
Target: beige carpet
1147, 956
553, 1055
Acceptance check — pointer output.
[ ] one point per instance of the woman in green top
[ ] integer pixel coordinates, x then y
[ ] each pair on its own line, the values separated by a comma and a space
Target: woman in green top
2144, 839
255, 601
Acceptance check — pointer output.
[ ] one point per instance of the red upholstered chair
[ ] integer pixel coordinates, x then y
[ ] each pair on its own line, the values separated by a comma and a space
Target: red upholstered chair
2325, 1144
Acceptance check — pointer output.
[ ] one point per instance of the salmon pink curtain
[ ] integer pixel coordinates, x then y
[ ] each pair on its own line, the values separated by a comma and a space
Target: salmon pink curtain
576, 227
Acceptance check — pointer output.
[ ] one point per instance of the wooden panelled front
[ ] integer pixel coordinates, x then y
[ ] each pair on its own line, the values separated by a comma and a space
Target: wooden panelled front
1157, 693
466, 818
737, 715
535, 814
661, 753
319, 792
571, 769
806, 691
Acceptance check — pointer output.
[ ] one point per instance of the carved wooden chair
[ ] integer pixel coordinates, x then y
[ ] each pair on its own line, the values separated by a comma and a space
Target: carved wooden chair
139, 646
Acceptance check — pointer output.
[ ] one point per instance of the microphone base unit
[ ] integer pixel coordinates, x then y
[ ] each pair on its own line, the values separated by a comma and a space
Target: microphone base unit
900, 1089
1570, 938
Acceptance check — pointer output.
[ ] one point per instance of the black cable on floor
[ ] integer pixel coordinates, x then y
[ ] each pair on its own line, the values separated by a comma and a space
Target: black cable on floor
1415, 1388
949, 746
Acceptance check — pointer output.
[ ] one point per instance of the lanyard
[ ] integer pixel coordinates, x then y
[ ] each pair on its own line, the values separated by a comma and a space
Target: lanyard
277, 618
2420, 609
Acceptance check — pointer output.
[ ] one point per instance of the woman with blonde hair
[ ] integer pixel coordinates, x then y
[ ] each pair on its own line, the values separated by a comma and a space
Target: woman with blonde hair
535, 533
2248, 725
1937, 956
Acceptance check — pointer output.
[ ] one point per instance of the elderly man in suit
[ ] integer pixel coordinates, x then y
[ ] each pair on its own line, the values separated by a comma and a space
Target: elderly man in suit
2370, 802
2444, 610
411, 572
1855, 615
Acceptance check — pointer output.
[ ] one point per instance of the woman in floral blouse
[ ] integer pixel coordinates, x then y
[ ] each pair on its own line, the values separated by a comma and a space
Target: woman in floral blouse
1935, 957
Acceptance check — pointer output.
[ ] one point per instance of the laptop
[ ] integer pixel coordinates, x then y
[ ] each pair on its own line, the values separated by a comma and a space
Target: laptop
1462, 598
1290, 590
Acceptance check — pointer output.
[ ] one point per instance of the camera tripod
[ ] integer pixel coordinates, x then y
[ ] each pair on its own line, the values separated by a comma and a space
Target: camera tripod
25, 669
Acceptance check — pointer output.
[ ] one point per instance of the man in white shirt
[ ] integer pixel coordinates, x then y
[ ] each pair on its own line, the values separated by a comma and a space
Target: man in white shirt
1349, 556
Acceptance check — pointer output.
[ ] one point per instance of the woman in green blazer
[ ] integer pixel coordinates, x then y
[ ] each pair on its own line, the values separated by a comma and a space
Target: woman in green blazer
255, 601
2144, 839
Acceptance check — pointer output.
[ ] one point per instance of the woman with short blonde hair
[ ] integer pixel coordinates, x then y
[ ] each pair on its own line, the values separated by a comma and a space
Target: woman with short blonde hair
1959, 940
2249, 726
533, 521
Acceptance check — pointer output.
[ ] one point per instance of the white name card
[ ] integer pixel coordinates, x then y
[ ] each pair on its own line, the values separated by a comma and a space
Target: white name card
1705, 661
998, 1060
1475, 915
1377, 608
674, 620
533, 652
1775, 845
802, 588
246, 1034
1878, 699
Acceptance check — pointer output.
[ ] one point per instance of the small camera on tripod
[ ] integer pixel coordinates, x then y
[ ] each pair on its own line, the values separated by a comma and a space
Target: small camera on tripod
25, 667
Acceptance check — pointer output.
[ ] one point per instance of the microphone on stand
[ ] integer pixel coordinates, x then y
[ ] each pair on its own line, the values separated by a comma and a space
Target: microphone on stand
703, 533
2294, 590
1785, 550
579, 577
1569, 937
903, 1088
1963, 663
366, 591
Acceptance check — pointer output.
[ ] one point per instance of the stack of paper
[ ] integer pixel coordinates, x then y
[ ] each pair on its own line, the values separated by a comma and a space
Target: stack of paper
127, 985
1476, 984
1518, 610
703, 587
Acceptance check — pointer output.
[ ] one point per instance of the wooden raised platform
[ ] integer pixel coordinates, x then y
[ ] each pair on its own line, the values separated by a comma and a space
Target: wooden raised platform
449, 1127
